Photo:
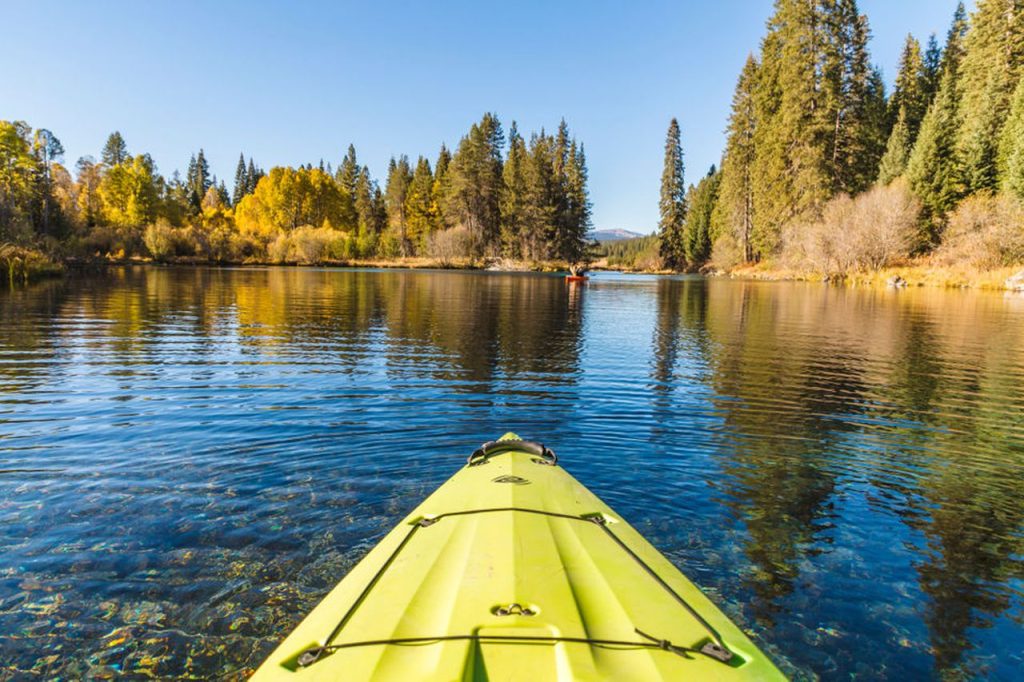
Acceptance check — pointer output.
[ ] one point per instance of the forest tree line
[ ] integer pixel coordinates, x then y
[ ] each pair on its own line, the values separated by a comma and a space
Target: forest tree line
494, 196
824, 170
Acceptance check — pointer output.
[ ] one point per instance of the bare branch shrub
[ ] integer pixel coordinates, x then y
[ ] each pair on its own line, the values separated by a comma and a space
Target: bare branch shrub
867, 232
448, 245
984, 231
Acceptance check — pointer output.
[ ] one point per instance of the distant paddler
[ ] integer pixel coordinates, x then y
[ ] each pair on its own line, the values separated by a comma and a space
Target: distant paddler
577, 272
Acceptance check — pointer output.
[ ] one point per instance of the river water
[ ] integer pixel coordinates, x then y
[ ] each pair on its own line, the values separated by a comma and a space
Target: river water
191, 458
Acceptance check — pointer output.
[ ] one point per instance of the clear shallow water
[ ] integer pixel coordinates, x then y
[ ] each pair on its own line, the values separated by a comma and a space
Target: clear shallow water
190, 459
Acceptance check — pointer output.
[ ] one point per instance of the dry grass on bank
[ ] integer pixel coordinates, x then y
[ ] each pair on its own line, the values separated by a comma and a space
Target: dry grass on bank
916, 273
867, 241
20, 264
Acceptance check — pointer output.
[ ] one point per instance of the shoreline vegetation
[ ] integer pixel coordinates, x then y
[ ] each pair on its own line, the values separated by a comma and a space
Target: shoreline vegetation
826, 176
497, 200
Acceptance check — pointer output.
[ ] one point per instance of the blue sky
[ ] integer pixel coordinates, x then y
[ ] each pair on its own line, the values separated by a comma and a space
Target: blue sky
290, 83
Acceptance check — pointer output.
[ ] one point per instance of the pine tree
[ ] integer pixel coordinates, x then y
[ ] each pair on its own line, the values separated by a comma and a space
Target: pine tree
1011, 147
252, 177
190, 174
222, 190
368, 226
897, 152
537, 230
348, 178
198, 180
241, 181
574, 240
440, 190
790, 175
380, 208
910, 94
475, 183
932, 166
697, 230
672, 204
878, 125
513, 196
844, 106
953, 51
734, 212
115, 151
417, 204
561, 164
991, 67
395, 193
932, 66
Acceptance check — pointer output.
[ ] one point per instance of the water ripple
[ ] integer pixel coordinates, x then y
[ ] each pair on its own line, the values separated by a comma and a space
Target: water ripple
191, 459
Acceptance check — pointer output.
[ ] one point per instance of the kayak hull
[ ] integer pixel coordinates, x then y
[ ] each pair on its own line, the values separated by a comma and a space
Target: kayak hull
513, 570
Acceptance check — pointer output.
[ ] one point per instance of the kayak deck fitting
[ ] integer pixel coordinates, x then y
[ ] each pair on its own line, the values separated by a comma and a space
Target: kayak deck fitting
513, 570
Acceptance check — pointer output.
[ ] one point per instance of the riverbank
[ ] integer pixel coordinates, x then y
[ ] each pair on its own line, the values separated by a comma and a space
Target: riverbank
912, 274
401, 263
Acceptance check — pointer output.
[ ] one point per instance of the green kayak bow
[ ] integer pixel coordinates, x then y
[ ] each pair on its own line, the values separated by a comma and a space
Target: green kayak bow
513, 570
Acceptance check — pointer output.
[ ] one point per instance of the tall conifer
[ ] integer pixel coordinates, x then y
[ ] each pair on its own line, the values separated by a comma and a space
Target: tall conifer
897, 151
932, 166
115, 151
241, 181
734, 212
513, 196
790, 175
574, 241
348, 176
697, 230
1011, 147
417, 204
910, 94
672, 202
991, 67
932, 66
440, 189
395, 193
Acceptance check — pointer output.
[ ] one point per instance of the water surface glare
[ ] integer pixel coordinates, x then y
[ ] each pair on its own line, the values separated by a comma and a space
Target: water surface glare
191, 458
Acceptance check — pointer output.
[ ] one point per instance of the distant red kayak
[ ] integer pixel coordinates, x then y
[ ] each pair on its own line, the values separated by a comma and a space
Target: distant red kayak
576, 278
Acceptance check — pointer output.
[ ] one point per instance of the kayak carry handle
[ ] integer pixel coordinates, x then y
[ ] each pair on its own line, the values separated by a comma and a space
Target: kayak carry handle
543, 454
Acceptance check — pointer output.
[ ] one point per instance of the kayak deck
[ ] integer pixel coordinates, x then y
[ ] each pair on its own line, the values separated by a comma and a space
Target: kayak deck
513, 570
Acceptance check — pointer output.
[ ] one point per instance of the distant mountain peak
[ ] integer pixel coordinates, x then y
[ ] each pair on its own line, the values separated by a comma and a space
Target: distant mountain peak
613, 235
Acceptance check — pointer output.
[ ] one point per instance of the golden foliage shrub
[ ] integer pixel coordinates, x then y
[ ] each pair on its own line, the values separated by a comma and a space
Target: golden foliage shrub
309, 245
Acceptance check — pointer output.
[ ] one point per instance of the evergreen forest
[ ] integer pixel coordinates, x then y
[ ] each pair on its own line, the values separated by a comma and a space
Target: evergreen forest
825, 170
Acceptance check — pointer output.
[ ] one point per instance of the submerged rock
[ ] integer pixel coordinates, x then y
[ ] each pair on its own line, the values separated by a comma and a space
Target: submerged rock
896, 282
